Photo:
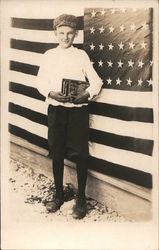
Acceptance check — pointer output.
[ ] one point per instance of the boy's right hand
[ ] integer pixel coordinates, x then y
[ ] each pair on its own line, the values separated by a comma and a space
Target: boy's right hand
58, 96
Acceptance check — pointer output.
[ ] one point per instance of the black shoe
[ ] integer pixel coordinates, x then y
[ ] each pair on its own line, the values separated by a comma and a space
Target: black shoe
54, 205
80, 208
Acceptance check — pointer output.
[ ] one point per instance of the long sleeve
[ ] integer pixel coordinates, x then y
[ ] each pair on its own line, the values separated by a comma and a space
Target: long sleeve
43, 82
93, 78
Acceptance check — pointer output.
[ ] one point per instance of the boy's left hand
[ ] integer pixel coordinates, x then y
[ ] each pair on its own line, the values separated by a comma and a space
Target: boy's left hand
81, 98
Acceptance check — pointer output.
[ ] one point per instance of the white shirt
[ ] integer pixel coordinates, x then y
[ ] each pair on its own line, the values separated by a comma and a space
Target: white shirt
70, 63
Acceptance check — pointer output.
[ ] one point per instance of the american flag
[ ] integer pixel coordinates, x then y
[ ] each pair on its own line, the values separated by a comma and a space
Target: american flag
119, 44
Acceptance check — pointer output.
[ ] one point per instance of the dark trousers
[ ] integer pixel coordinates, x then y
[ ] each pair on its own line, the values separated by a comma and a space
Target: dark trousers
68, 134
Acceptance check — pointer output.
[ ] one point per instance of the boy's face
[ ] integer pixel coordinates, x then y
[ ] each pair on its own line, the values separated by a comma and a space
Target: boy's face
65, 36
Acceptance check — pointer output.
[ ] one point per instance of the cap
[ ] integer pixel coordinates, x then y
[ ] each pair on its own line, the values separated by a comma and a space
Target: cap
65, 20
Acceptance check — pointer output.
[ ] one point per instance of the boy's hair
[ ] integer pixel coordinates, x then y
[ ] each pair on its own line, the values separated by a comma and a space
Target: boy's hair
65, 20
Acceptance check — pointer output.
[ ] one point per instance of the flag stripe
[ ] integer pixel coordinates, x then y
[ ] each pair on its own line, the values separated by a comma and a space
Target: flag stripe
40, 24
102, 137
134, 129
122, 112
121, 172
38, 47
40, 36
24, 68
126, 98
122, 142
122, 157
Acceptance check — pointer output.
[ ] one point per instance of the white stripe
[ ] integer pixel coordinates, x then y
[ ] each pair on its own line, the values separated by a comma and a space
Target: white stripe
40, 35
28, 102
125, 128
111, 125
25, 79
126, 98
122, 157
25, 56
24, 123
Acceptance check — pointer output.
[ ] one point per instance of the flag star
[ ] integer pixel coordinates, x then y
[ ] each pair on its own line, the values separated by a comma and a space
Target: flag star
131, 63
100, 63
140, 82
109, 81
144, 25
101, 29
131, 45
110, 63
111, 46
134, 9
101, 46
92, 62
151, 63
150, 82
111, 29
133, 27
129, 81
92, 29
122, 28
92, 46
120, 64
113, 11
93, 13
143, 45
102, 12
121, 45
140, 64
118, 81
123, 10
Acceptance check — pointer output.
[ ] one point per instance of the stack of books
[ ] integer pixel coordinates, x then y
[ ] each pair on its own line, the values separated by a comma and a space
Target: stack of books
73, 87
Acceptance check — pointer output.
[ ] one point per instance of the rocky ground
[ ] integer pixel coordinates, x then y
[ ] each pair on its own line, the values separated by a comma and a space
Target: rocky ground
35, 190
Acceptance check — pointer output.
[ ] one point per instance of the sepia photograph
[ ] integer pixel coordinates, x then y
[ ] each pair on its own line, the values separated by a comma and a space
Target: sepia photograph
79, 124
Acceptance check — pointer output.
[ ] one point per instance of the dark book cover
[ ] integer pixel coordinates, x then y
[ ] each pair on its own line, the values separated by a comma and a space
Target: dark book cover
73, 87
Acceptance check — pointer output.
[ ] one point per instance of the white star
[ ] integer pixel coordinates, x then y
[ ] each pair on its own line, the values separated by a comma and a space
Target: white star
143, 45
110, 46
140, 82
101, 46
131, 63
110, 63
118, 81
140, 64
121, 45
129, 81
93, 13
92, 30
131, 45
120, 64
134, 9
92, 46
101, 29
122, 28
144, 25
102, 12
123, 10
100, 63
109, 81
113, 11
111, 29
133, 27
150, 82
151, 63
92, 62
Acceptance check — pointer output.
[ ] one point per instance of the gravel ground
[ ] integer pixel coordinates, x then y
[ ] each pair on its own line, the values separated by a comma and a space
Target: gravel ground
33, 190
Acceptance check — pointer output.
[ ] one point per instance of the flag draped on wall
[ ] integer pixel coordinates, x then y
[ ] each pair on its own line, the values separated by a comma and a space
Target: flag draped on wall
119, 43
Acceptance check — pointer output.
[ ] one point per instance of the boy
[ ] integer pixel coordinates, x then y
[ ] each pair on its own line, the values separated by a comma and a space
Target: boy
68, 117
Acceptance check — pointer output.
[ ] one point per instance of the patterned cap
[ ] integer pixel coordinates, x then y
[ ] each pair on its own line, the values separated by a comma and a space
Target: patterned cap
65, 20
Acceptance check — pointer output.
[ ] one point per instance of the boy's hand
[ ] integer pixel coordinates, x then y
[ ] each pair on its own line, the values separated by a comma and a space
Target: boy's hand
81, 98
58, 96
